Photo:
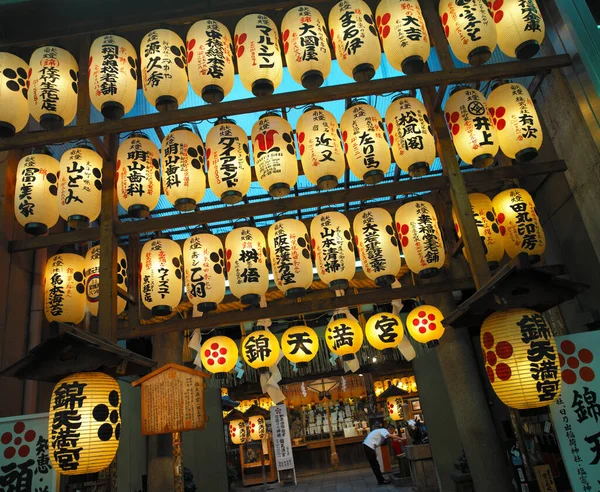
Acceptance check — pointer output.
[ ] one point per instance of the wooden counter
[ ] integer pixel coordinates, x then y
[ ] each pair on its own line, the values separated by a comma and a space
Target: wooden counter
324, 443
315, 456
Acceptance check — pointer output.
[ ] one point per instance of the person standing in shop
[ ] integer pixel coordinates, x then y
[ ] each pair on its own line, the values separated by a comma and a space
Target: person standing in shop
374, 440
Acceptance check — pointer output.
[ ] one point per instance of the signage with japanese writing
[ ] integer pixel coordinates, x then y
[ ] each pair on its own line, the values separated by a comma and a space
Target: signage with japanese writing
281, 438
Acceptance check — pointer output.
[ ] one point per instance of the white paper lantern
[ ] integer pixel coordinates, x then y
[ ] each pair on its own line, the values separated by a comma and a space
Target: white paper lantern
210, 60
92, 279
14, 109
260, 65
289, 249
516, 120
367, 150
274, 154
333, 249
183, 176
246, 254
472, 127
80, 186
306, 46
377, 245
520, 27
113, 75
354, 38
404, 35
138, 175
470, 29
36, 205
411, 137
161, 276
53, 86
421, 238
228, 161
204, 269
64, 289
164, 69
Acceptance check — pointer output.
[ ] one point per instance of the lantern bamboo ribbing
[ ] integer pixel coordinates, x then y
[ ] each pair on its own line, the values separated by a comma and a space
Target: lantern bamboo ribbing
64, 288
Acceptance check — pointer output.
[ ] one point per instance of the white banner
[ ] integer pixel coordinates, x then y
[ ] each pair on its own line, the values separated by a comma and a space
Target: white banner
24, 461
281, 438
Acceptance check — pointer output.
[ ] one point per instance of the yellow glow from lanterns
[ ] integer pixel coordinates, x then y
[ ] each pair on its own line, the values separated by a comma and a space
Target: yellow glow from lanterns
394, 407
266, 403
521, 358
92, 279
424, 324
384, 331
472, 128
92, 403
289, 248
210, 60
520, 27
160, 275
378, 387
14, 109
257, 427
300, 345
260, 349
344, 337
519, 223
238, 432
64, 288
321, 153
36, 205
219, 355
113, 75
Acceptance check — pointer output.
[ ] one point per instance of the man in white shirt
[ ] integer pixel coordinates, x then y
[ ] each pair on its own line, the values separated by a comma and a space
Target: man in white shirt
375, 439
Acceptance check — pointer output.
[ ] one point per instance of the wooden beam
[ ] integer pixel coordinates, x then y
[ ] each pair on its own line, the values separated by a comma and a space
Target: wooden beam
519, 68
83, 92
275, 310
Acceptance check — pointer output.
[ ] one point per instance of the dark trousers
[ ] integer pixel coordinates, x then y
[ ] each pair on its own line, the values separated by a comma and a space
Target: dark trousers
372, 458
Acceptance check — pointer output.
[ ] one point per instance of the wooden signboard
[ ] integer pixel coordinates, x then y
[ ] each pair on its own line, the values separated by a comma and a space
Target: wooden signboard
172, 400
544, 477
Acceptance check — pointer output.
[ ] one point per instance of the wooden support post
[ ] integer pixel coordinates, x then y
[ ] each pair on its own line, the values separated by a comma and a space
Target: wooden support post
335, 460
177, 462
83, 92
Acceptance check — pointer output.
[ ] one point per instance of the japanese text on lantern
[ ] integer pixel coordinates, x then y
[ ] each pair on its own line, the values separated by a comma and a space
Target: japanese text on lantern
228, 160
351, 29
109, 68
283, 256
411, 26
386, 328
476, 119
410, 124
299, 341
523, 122
28, 180
372, 244
250, 254
49, 76
311, 41
56, 294
332, 258
257, 347
266, 42
216, 53
426, 232
281, 437
526, 225
175, 163
138, 171
200, 278
531, 15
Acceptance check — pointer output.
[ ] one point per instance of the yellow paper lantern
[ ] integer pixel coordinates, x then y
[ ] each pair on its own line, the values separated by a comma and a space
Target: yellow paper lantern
14, 109
80, 186
219, 355
404, 35
377, 245
257, 426
354, 38
247, 264
183, 176
260, 349
411, 137
378, 387
204, 268
238, 431
470, 30
424, 324
266, 403
64, 288
394, 406
164, 69
274, 154
516, 120
113, 75
344, 336
366, 148
289, 248
210, 60
92, 279
36, 205
52, 87
306, 46
520, 27
260, 65
421, 238
244, 405
521, 359
487, 226
300, 345
84, 423
384, 331
138, 175
160, 275
228, 161
333, 249
472, 127
320, 148
519, 223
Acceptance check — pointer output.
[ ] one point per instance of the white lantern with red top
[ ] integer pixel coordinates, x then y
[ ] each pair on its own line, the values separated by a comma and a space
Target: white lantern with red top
520, 27
14, 109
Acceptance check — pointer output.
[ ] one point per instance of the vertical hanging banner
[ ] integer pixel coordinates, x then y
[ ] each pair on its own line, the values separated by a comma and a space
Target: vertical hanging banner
24, 460
576, 414
281, 438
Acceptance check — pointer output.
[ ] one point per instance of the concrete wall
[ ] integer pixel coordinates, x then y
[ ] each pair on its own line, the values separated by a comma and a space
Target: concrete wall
131, 457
